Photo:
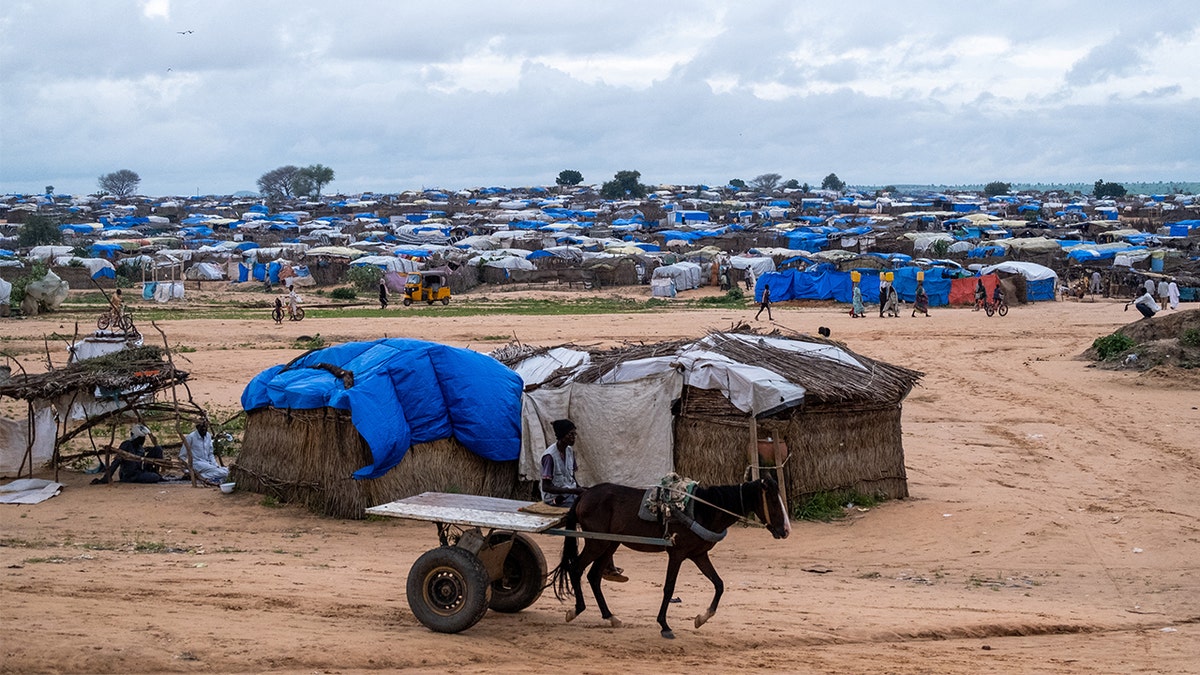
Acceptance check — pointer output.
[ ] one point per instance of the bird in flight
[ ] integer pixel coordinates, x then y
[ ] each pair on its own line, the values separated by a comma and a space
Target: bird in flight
184, 32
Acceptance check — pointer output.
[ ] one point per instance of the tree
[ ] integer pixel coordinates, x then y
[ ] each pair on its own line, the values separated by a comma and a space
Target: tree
38, 230
996, 188
832, 182
737, 183
767, 183
1101, 190
280, 183
120, 183
806, 188
624, 184
568, 177
49, 189
792, 184
318, 176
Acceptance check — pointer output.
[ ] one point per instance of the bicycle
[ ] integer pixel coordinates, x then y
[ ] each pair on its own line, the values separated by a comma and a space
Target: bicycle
999, 307
277, 314
123, 321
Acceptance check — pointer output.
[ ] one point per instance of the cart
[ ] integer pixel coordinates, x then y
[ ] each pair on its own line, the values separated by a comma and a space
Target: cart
486, 559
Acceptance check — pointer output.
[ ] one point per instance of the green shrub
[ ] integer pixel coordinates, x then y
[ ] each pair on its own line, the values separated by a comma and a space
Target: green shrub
343, 293
364, 277
37, 270
1111, 346
827, 506
1190, 338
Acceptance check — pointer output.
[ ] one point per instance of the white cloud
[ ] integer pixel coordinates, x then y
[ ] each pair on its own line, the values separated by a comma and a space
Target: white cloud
399, 95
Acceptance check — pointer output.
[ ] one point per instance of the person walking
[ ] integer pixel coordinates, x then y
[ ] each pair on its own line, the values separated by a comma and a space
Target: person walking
921, 301
765, 303
1173, 294
383, 294
1164, 292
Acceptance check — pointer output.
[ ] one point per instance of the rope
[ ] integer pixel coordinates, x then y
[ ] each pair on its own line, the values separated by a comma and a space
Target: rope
743, 519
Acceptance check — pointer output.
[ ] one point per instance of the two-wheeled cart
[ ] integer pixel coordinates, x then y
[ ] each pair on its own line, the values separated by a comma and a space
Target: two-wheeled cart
486, 559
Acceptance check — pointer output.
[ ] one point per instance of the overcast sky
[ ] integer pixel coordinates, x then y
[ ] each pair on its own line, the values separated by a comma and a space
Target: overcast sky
205, 96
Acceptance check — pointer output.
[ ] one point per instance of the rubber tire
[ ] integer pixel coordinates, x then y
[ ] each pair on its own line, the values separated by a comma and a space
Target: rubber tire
125, 323
406, 302
445, 301
277, 315
1003, 309
103, 322
448, 589
990, 309
524, 574
299, 314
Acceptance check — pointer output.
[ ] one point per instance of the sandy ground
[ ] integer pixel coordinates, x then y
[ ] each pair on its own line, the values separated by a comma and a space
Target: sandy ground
1054, 527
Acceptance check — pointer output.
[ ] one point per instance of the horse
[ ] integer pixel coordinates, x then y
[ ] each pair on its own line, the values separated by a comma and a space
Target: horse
613, 509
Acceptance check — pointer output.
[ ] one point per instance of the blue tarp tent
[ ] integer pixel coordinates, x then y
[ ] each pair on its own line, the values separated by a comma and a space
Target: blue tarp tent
404, 392
825, 282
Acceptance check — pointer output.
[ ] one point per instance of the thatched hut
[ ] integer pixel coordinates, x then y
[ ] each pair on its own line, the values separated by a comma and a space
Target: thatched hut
845, 436
359, 424
307, 457
842, 430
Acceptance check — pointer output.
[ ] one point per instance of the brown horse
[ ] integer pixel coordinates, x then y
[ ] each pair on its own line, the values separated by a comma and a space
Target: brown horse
613, 509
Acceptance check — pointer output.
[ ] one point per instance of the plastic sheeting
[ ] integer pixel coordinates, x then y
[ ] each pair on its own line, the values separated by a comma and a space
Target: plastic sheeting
639, 451
14, 440
404, 392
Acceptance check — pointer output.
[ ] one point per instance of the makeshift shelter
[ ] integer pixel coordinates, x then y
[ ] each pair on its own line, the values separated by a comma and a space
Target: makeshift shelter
106, 384
400, 416
701, 408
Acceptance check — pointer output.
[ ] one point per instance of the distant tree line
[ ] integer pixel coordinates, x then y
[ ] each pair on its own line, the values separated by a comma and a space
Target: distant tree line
287, 182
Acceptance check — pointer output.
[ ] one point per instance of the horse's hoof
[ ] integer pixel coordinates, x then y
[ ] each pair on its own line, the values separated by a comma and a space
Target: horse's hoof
670, 635
702, 619
615, 622
571, 614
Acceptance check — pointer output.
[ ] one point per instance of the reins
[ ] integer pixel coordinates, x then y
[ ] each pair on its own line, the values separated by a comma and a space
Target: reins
741, 497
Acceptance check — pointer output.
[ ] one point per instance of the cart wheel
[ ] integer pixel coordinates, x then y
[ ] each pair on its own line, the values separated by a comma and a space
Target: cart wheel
429, 302
445, 301
1003, 309
406, 302
448, 589
524, 574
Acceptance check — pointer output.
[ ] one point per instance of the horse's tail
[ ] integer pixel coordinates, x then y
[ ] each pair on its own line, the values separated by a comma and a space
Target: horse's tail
560, 578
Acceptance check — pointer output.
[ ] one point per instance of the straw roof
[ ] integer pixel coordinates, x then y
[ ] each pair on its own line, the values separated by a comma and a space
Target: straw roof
119, 371
826, 380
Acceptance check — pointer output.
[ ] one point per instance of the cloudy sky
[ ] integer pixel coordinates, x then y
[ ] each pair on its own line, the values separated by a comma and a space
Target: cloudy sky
204, 96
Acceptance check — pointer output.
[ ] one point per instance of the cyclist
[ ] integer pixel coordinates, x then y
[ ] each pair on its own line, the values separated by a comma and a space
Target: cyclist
980, 294
115, 304
293, 302
997, 295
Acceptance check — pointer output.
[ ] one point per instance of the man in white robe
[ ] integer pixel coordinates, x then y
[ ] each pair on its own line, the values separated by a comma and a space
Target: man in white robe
204, 461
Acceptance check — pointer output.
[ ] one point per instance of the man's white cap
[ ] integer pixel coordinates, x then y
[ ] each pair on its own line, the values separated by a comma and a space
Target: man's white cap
139, 431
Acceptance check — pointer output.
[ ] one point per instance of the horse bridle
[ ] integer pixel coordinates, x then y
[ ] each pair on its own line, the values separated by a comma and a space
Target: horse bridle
763, 494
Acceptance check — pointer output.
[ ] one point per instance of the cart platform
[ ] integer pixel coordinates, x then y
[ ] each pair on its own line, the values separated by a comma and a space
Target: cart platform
468, 510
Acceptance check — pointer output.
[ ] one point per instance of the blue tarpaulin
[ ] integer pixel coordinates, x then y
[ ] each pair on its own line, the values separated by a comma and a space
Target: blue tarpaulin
824, 282
404, 392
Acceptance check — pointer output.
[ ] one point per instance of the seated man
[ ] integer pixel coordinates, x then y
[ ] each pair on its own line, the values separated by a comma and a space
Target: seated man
133, 469
204, 461
558, 484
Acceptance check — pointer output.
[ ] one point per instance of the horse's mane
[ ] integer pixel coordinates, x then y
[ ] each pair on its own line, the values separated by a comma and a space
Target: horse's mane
728, 497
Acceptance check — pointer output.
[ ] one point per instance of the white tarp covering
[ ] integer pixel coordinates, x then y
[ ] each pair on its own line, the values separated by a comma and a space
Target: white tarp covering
93, 265
536, 369
388, 263
639, 451
758, 265
1031, 271
205, 271
686, 275
5, 292
29, 491
14, 440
